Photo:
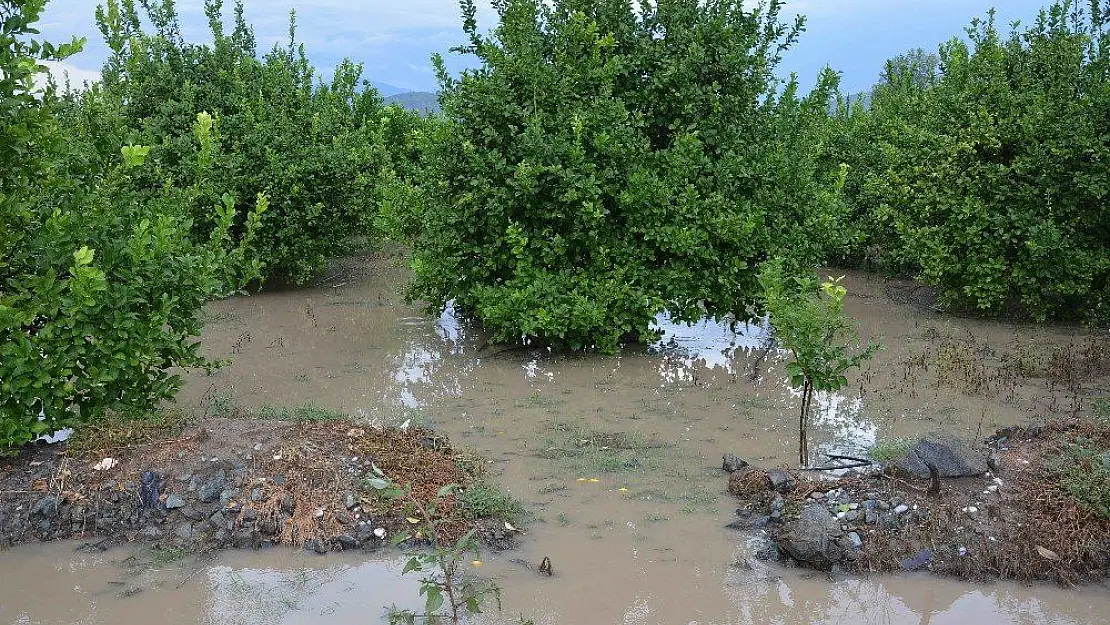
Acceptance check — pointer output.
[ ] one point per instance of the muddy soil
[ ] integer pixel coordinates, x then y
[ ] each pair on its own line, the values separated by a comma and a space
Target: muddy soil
618, 457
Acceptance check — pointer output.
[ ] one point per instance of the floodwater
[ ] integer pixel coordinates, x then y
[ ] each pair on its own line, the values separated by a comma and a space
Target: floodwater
617, 457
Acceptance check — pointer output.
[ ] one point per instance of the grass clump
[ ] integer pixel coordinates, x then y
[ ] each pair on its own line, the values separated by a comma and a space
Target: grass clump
890, 449
583, 450
120, 430
1083, 470
483, 500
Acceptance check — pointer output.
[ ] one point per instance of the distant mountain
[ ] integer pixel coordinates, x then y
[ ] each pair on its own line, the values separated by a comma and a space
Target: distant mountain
386, 89
422, 102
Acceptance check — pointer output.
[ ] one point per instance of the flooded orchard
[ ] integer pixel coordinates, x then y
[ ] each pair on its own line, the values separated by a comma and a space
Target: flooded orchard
617, 459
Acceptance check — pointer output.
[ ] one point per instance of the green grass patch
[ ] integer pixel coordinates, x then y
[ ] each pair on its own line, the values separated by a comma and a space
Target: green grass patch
1083, 470
582, 450
483, 500
890, 449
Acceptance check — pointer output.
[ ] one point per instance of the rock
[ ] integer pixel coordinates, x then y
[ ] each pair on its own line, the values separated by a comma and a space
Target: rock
994, 461
151, 532
813, 538
184, 531
250, 515
902, 509
777, 507
764, 549
149, 485
256, 494
781, 480
47, 507
212, 488
287, 504
173, 502
217, 519
350, 501
917, 562
732, 463
951, 457
317, 546
857, 542
851, 516
348, 542
258, 447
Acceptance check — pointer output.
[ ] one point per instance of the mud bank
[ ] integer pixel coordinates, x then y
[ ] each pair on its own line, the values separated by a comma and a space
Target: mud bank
1012, 517
232, 483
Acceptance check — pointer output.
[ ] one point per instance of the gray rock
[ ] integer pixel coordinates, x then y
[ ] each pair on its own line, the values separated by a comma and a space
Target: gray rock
781, 480
151, 532
350, 501
211, 489
217, 519
902, 509
994, 461
813, 538
317, 546
258, 447
256, 494
732, 463
777, 507
287, 504
951, 457
250, 515
348, 542
184, 531
174, 502
764, 549
47, 507
857, 542
851, 516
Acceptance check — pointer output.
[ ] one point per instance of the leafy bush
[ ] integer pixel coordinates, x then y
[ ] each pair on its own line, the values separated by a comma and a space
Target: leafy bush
317, 150
991, 177
606, 163
100, 280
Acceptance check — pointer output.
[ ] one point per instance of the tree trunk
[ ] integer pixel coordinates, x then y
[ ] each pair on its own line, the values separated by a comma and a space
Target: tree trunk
803, 423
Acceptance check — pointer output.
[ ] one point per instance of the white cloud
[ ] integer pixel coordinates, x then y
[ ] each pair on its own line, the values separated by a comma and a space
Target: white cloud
62, 71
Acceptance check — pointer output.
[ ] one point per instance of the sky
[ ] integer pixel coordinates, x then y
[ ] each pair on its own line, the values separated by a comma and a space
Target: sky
394, 39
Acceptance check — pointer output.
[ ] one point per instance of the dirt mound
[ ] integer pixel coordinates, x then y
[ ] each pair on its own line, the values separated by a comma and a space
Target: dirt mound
1020, 521
231, 483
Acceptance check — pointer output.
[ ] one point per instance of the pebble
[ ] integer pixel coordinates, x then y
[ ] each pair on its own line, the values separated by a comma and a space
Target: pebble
993, 488
901, 509
174, 502
380, 533
258, 447
853, 506
857, 542
970, 510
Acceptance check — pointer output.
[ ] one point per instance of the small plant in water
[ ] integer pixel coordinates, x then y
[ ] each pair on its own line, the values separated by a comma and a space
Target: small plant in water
808, 320
446, 594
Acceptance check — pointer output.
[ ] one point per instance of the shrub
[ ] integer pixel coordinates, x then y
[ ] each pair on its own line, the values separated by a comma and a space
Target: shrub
604, 164
315, 149
101, 300
100, 280
991, 178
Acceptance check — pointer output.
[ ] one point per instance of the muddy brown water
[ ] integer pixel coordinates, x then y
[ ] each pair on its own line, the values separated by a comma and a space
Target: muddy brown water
617, 457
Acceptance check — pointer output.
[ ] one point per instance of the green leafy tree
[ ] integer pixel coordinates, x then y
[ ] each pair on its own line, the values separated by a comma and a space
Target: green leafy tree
316, 149
809, 322
101, 281
990, 179
606, 162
